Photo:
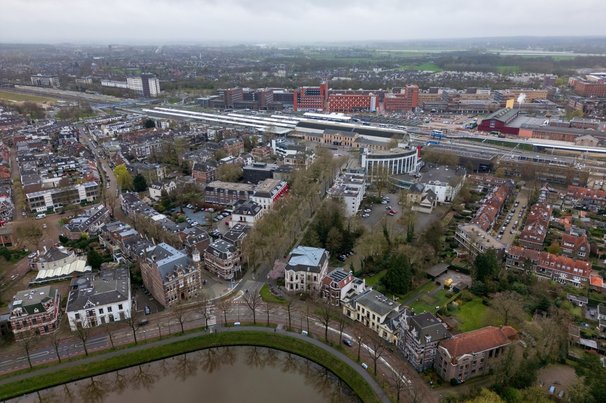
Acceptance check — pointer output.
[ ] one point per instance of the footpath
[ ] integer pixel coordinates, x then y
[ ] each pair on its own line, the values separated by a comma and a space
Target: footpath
104, 356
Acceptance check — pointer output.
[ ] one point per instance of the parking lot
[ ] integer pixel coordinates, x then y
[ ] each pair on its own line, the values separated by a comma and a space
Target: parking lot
514, 220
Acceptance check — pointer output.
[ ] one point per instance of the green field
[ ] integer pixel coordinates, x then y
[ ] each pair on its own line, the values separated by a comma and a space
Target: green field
508, 69
268, 296
372, 281
521, 145
421, 67
428, 303
473, 315
18, 97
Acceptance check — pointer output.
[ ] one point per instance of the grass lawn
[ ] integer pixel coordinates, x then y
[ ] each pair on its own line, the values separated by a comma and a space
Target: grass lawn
268, 296
243, 338
521, 145
372, 281
427, 303
18, 97
473, 315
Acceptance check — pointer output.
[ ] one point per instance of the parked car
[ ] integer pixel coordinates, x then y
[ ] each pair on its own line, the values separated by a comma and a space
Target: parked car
147, 310
348, 342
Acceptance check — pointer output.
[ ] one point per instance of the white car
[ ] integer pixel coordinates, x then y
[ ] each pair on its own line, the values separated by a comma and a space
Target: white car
367, 210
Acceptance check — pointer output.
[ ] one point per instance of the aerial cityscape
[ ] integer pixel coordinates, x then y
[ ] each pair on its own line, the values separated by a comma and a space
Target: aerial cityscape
268, 201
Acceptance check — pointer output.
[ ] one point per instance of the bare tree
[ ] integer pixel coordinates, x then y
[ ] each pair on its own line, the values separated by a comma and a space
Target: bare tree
28, 343
252, 300
95, 391
83, 333
224, 306
108, 329
289, 303
204, 308
180, 312
134, 325
509, 305
267, 311
325, 313
398, 382
56, 342
377, 349
341, 322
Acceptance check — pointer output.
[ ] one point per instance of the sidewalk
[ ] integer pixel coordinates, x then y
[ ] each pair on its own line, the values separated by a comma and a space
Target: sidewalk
58, 367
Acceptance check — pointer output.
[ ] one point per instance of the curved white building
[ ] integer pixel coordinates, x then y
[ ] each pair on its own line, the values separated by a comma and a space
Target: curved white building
396, 161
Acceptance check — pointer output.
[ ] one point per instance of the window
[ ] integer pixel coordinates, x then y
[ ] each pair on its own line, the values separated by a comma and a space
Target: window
101, 311
109, 309
120, 307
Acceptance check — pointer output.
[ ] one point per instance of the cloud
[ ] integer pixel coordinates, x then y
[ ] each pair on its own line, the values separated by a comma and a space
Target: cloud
170, 21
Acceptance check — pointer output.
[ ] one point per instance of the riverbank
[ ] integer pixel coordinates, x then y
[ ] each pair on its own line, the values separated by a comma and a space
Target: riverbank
358, 379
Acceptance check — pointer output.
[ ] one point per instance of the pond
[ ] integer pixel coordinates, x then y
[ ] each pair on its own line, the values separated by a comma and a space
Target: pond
225, 374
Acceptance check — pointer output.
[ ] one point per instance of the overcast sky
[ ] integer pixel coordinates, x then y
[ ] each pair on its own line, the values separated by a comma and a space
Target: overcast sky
193, 21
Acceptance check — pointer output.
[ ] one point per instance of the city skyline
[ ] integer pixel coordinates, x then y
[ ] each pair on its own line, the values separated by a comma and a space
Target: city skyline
188, 21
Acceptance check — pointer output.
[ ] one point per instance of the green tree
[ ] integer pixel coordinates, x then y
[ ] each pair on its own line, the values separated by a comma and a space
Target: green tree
94, 259
139, 183
433, 236
398, 279
554, 248
123, 177
149, 124
486, 266
229, 173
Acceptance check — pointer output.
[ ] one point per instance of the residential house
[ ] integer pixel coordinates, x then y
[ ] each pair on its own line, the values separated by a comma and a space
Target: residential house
589, 199
54, 258
305, 269
337, 284
222, 258
155, 189
227, 193
535, 229
246, 212
99, 298
169, 275
471, 354
203, 172
236, 235
35, 312
375, 311
555, 267
489, 211
90, 222
575, 246
419, 338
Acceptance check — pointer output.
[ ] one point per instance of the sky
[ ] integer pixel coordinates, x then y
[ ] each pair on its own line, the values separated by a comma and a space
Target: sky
273, 21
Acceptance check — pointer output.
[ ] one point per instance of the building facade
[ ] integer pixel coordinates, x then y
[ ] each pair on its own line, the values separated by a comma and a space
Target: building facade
305, 269
396, 161
35, 312
419, 338
222, 258
97, 299
471, 354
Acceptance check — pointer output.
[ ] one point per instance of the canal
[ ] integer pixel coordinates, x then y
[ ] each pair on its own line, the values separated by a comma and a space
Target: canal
217, 375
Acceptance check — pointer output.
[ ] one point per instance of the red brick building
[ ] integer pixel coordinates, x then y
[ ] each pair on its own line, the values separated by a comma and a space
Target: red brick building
35, 312
555, 267
400, 102
340, 102
311, 98
535, 229
589, 88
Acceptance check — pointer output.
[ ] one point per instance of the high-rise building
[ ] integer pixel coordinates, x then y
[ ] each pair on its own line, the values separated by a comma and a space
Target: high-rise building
406, 100
41, 80
146, 85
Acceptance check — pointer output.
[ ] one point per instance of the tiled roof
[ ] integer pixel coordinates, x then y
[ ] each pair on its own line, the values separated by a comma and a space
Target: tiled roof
479, 340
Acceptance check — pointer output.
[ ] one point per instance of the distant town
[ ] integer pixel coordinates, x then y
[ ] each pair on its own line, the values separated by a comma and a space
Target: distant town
442, 226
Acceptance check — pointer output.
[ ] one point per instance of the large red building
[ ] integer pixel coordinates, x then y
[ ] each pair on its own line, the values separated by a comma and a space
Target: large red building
588, 88
499, 121
311, 98
340, 102
403, 101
